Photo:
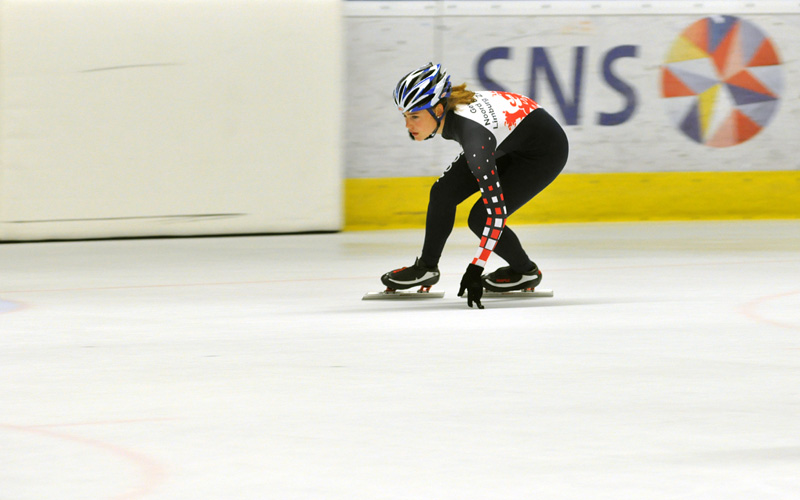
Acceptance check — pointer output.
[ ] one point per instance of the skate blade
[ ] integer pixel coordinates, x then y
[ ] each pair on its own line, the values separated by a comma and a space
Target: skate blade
402, 294
528, 294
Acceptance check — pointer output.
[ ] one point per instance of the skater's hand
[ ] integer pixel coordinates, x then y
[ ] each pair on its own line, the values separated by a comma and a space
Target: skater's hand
471, 282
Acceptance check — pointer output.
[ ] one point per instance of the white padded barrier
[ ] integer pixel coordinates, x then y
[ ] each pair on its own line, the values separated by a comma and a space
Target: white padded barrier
127, 118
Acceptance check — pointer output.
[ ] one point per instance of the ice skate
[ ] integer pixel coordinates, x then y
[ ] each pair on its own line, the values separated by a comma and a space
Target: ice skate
409, 277
417, 275
505, 281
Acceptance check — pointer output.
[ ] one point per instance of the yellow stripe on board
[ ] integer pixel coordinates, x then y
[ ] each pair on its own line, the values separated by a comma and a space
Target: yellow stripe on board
393, 203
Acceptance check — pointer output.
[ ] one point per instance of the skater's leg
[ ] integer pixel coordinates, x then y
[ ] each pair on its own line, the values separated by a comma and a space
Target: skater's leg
521, 178
508, 246
454, 186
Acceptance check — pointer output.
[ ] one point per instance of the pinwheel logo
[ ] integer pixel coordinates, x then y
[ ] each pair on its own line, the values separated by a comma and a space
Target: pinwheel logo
722, 81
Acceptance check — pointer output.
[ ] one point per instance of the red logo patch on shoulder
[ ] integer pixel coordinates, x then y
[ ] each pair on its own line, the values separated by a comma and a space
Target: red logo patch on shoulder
522, 107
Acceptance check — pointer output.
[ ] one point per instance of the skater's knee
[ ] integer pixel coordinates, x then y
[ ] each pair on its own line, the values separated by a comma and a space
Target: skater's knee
477, 219
437, 191
440, 196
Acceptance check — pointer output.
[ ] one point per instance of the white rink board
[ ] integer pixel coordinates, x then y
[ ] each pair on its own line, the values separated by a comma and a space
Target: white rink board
458, 34
138, 118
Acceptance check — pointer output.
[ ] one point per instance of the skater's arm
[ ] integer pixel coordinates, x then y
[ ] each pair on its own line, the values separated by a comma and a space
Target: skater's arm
480, 147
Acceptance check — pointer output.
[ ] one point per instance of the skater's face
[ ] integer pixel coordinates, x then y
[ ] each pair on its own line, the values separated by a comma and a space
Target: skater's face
421, 124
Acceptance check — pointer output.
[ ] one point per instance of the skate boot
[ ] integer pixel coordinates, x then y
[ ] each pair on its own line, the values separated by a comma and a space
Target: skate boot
506, 279
408, 277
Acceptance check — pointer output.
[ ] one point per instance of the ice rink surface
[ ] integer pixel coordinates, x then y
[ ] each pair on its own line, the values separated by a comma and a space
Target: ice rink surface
666, 366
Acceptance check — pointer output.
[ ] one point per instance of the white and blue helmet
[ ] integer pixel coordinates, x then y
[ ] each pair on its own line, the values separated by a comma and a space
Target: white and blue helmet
423, 88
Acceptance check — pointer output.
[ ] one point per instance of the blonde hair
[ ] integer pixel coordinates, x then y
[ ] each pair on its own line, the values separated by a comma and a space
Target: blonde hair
460, 95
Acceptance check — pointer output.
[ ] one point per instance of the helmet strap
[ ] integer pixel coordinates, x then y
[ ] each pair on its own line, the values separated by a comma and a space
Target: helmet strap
438, 121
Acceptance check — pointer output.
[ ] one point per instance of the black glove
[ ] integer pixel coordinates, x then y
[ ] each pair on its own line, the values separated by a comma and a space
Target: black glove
471, 282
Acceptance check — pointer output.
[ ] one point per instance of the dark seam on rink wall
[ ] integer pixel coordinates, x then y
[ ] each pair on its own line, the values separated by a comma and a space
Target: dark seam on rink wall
145, 217
170, 237
159, 236
131, 66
